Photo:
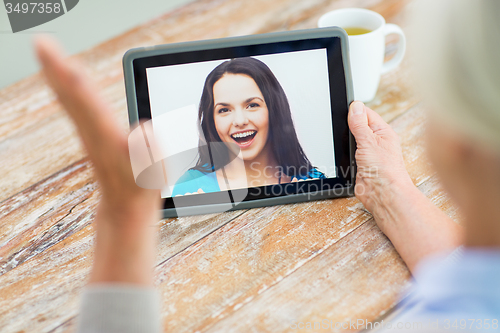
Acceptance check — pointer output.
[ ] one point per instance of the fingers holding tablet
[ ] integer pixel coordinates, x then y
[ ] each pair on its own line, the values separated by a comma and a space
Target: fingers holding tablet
379, 155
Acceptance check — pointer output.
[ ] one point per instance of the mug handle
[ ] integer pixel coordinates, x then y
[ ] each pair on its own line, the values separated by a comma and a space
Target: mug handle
396, 60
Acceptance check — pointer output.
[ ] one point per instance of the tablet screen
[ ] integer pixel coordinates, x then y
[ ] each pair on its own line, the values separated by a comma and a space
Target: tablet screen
248, 120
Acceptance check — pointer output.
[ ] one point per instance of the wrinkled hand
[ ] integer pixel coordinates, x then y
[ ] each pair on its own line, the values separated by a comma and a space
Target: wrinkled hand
415, 226
125, 248
381, 169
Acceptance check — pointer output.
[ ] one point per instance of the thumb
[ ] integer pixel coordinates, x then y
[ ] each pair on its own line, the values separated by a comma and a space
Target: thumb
358, 120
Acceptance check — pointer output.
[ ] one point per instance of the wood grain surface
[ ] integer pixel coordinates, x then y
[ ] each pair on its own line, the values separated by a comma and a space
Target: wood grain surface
250, 270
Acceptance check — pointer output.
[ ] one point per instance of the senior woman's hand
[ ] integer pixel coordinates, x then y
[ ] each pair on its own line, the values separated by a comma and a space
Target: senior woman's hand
414, 225
381, 169
127, 214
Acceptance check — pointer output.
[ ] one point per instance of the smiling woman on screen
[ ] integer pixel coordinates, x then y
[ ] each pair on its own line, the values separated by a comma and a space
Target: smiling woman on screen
244, 107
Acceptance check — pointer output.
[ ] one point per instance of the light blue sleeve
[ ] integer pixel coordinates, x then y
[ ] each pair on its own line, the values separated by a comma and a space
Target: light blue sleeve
450, 289
192, 180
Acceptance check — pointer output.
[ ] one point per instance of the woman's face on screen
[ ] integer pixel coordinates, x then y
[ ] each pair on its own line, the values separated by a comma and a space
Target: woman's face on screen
240, 114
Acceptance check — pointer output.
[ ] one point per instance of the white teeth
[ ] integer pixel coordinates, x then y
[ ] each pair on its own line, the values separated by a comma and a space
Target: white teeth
243, 134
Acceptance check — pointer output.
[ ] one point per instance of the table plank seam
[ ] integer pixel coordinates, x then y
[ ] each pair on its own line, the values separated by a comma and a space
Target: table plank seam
12, 263
83, 162
162, 262
400, 115
198, 240
317, 253
289, 273
69, 320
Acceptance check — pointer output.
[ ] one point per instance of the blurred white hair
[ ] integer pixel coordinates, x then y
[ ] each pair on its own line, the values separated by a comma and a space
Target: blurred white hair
458, 48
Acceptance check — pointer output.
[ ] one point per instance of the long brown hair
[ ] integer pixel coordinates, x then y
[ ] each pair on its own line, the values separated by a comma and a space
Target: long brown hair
282, 138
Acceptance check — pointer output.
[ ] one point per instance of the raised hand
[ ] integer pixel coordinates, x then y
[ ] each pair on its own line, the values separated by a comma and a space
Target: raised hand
127, 214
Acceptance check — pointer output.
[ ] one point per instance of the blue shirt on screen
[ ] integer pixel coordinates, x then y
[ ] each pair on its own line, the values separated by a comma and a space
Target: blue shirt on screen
193, 180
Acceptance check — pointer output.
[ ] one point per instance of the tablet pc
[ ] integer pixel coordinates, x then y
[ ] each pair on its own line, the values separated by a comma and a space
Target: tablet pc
246, 121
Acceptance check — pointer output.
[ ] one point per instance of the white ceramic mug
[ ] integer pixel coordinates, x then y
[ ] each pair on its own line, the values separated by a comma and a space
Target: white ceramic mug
367, 51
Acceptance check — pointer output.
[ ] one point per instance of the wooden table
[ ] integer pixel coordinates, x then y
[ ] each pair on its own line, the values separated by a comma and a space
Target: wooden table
258, 270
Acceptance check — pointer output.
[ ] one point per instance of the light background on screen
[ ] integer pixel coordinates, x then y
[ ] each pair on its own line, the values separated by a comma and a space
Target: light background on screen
302, 74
